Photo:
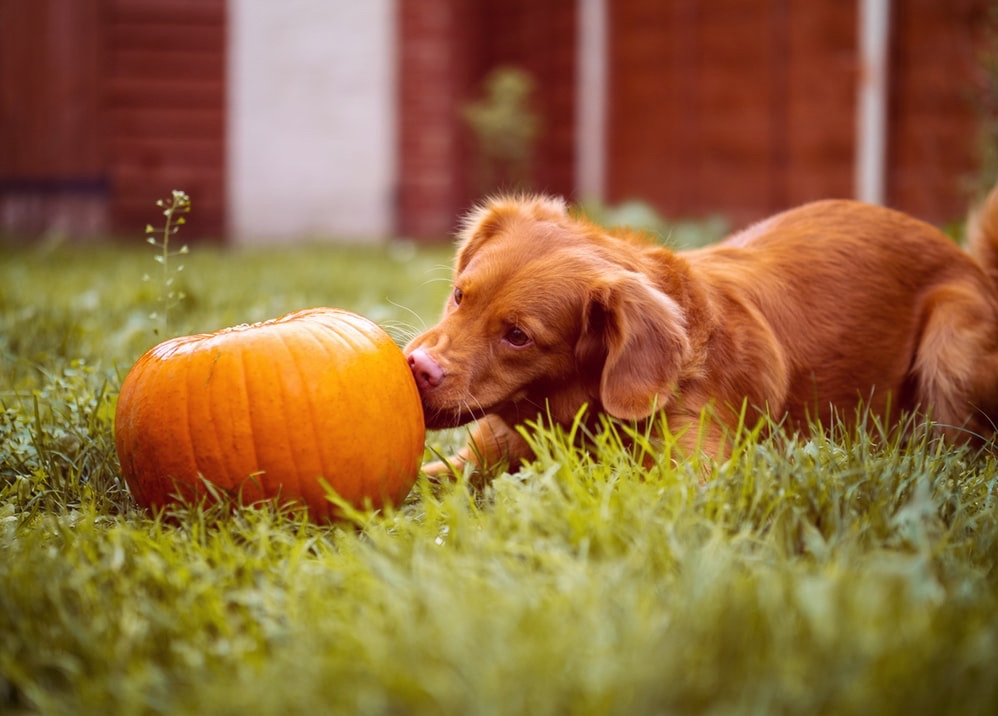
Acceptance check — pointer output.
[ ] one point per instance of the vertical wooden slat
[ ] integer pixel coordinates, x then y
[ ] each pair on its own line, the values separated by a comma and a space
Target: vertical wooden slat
932, 143
51, 155
748, 106
540, 37
164, 110
692, 114
820, 123
447, 47
435, 70
48, 88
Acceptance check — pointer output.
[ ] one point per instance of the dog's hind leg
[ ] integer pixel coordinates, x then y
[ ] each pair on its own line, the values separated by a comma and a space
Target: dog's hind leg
956, 361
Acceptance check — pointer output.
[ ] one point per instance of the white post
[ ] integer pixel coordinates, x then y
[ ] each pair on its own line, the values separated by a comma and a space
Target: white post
871, 104
591, 99
311, 120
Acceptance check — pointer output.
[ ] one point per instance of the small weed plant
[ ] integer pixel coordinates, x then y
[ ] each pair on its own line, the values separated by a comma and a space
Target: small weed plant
505, 128
175, 210
851, 572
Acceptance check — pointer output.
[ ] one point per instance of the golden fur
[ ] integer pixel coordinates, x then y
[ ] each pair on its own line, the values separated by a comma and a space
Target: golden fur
810, 312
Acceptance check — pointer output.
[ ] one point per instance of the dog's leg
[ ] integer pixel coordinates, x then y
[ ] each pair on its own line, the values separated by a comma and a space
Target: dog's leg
956, 362
492, 441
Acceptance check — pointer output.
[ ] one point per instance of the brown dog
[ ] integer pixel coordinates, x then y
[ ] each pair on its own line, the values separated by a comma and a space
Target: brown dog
805, 316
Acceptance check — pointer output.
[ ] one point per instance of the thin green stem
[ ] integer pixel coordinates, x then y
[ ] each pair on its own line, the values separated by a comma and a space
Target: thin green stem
173, 209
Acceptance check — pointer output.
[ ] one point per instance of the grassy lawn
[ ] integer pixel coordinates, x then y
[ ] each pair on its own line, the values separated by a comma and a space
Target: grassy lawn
842, 575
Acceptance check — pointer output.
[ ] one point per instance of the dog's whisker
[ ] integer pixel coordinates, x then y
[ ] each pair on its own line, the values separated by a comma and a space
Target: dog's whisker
401, 333
415, 315
438, 279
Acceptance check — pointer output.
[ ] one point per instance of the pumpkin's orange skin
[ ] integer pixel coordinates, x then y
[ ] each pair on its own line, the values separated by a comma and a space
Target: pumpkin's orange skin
271, 410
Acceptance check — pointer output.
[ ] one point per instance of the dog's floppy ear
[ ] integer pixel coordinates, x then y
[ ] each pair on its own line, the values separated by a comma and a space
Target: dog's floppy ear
486, 220
641, 331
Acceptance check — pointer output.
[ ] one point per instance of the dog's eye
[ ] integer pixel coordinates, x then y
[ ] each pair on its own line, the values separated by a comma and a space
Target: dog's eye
458, 295
516, 337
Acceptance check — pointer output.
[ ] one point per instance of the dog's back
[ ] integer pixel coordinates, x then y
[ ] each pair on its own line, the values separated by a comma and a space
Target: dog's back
870, 305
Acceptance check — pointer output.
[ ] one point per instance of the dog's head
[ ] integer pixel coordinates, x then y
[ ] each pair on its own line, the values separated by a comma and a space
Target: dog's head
547, 312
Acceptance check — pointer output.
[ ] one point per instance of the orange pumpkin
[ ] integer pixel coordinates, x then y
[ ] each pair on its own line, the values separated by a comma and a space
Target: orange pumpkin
271, 410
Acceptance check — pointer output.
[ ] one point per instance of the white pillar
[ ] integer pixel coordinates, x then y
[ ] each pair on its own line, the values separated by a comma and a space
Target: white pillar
591, 100
871, 104
311, 119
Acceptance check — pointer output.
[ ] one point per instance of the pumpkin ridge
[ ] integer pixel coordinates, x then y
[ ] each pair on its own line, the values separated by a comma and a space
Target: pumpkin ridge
312, 415
249, 414
199, 473
287, 419
338, 334
218, 386
358, 335
280, 449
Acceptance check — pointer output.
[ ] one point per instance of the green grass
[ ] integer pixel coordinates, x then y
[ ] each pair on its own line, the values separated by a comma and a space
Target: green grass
852, 574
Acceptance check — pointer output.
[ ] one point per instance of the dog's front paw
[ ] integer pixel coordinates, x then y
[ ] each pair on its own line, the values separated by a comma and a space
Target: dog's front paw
449, 468
492, 446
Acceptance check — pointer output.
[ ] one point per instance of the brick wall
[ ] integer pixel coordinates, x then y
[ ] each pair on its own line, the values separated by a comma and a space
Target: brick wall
446, 48
746, 107
435, 73
731, 106
540, 37
107, 106
52, 158
163, 110
933, 152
